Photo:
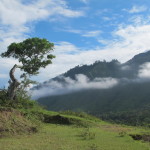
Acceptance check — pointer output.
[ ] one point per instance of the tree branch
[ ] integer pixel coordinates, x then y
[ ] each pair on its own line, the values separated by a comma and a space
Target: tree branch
11, 73
14, 83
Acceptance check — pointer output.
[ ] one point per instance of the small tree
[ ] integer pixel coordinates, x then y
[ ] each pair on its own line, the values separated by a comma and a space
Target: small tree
33, 54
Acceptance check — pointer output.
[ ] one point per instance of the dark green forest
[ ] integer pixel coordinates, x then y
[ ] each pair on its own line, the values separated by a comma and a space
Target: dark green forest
126, 102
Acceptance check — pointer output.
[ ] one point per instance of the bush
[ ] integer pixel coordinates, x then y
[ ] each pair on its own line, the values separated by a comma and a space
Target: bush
86, 134
93, 147
122, 133
19, 103
80, 114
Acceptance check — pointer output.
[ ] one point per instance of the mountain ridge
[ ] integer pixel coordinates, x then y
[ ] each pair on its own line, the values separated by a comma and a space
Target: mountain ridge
130, 94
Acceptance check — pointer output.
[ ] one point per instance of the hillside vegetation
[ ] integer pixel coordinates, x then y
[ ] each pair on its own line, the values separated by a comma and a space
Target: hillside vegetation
25, 125
121, 102
28, 126
84, 133
127, 102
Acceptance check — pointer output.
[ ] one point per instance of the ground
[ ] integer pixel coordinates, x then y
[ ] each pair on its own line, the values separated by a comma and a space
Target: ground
103, 136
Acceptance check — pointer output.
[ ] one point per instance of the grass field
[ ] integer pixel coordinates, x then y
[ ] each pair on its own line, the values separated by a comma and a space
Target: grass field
102, 136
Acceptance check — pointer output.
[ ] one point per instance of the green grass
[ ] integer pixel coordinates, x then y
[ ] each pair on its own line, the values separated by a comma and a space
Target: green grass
62, 137
13, 122
80, 132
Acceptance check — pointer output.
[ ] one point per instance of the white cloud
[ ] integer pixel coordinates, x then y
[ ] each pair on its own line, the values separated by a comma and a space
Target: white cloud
137, 9
72, 30
80, 83
84, 33
85, 1
134, 37
65, 48
144, 71
93, 33
130, 40
16, 18
104, 42
125, 68
3, 75
106, 18
16, 13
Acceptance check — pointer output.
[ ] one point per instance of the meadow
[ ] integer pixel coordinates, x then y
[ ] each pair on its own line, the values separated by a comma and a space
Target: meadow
98, 136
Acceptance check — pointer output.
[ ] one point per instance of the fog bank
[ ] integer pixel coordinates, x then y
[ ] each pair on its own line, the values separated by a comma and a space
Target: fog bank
69, 85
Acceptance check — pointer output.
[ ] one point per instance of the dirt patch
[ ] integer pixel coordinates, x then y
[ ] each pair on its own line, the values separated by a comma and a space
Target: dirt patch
14, 122
144, 137
57, 119
115, 128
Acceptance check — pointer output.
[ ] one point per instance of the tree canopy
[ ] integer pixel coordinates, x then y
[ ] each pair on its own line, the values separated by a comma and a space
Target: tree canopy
33, 54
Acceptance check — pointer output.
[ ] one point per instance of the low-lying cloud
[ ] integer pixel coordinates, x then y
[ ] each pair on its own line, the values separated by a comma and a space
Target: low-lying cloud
69, 85
144, 71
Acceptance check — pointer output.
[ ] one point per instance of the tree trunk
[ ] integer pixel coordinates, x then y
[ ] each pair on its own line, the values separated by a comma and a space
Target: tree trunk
13, 84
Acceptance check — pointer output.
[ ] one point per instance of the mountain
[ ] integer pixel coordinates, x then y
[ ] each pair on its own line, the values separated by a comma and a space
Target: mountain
130, 94
139, 59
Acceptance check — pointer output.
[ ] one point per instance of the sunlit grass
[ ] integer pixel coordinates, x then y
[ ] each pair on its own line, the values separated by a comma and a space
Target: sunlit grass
60, 137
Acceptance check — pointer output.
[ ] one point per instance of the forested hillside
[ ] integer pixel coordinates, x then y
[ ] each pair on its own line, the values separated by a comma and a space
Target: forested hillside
130, 94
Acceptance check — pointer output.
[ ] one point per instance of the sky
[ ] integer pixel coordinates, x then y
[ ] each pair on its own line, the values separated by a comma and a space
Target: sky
82, 31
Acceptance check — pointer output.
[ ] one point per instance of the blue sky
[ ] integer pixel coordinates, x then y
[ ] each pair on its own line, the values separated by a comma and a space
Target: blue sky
83, 31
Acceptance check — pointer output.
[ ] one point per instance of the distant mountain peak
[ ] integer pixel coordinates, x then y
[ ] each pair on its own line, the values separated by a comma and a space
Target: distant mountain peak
140, 58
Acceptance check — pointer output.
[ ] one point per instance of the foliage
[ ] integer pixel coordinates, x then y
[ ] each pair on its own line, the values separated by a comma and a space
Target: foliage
122, 103
97, 69
86, 134
122, 133
33, 53
80, 114
3, 95
133, 117
53, 136
19, 104
23, 91
128, 95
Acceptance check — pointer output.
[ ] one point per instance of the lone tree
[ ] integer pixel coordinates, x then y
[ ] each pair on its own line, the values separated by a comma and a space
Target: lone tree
33, 54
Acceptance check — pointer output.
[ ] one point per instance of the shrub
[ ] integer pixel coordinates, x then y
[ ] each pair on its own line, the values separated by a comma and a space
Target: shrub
20, 103
122, 133
86, 134
93, 147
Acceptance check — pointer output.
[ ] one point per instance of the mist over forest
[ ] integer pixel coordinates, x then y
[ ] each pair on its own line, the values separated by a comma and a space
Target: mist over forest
99, 75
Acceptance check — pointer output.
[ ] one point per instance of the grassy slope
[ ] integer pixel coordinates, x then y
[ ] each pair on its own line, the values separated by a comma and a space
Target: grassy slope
13, 122
99, 136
